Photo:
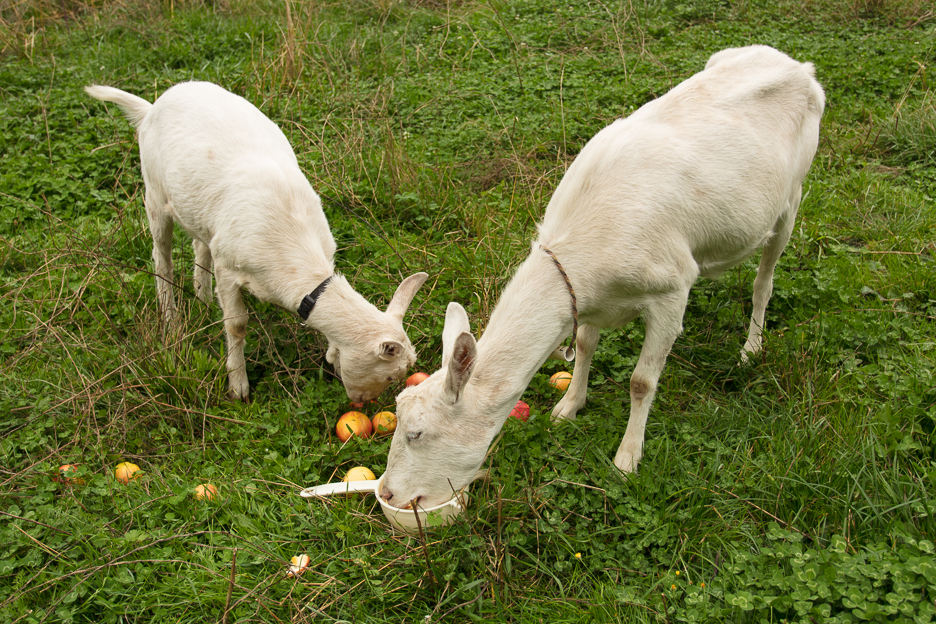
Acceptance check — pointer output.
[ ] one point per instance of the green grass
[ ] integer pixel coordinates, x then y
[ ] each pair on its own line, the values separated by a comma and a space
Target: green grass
799, 488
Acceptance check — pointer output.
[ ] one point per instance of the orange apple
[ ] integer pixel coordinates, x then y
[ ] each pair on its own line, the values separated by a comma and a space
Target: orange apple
67, 474
416, 378
560, 380
353, 424
521, 411
384, 423
359, 473
206, 491
126, 472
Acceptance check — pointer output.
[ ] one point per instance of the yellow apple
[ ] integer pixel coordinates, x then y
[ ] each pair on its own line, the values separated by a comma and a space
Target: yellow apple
359, 473
126, 472
384, 423
298, 565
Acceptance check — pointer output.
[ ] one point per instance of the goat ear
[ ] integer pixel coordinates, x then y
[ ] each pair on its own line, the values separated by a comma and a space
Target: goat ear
390, 350
464, 354
456, 322
331, 354
404, 295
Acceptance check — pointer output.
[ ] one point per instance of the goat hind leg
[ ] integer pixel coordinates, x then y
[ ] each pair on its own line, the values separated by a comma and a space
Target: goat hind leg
202, 271
161, 225
663, 325
763, 283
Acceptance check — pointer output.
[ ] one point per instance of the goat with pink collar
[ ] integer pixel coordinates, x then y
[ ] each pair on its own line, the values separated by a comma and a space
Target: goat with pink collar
690, 184
219, 168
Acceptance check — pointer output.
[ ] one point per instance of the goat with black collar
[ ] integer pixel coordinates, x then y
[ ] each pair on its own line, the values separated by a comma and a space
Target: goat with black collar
219, 168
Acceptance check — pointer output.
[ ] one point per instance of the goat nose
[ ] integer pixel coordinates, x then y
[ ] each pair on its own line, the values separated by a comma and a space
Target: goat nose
386, 495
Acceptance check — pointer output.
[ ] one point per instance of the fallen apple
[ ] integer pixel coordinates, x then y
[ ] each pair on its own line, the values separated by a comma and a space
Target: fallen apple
384, 423
416, 378
359, 473
206, 491
353, 424
126, 472
67, 474
521, 411
298, 565
560, 380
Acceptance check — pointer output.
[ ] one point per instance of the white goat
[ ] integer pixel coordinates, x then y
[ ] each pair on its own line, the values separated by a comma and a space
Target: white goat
214, 164
690, 184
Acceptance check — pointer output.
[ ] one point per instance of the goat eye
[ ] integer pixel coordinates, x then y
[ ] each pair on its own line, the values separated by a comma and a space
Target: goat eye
413, 435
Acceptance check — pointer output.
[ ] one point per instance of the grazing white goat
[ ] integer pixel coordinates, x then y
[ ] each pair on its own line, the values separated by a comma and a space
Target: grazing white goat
690, 184
218, 167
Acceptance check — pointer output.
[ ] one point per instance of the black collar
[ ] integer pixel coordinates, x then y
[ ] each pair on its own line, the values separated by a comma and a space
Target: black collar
309, 301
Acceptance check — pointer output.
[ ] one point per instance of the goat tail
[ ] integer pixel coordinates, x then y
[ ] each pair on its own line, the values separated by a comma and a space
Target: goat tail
135, 108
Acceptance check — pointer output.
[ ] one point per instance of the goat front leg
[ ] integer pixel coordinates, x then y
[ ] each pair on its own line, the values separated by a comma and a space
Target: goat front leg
202, 271
763, 283
235, 330
663, 325
585, 343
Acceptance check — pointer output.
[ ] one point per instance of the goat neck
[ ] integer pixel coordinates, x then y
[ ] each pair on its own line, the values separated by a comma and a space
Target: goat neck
532, 318
368, 348
446, 423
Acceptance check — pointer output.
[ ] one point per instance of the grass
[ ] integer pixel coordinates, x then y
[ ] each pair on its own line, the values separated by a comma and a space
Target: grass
799, 488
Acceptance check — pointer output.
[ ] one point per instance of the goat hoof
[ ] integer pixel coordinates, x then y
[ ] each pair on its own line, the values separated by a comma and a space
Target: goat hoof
560, 417
243, 397
564, 410
627, 462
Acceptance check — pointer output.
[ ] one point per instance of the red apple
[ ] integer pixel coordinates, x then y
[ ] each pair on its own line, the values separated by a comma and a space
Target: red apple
353, 424
521, 411
416, 378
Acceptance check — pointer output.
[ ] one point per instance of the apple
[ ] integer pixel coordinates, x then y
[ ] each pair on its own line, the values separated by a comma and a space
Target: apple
353, 424
67, 474
416, 378
384, 423
298, 565
521, 411
126, 472
359, 473
206, 491
560, 380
